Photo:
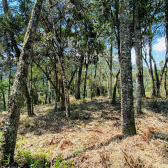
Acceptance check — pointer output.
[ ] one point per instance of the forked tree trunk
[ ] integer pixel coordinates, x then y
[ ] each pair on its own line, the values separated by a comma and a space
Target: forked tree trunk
9, 135
138, 59
127, 112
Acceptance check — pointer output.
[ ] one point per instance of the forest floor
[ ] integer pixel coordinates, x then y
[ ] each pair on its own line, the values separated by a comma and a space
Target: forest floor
92, 138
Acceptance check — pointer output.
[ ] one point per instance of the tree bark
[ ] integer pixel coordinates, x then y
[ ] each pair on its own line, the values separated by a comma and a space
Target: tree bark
111, 59
28, 101
16, 98
85, 80
166, 19
138, 58
79, 77
115, 88
151, 69
127, 112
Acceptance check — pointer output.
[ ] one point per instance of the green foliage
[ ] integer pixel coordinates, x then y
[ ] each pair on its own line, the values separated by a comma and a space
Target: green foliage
62, 164
26, 159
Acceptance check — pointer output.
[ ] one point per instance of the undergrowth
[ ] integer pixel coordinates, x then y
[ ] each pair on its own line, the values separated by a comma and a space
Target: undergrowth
25, 159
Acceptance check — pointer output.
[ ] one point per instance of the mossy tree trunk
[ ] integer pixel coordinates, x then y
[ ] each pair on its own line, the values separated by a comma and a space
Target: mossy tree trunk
16, 99
127, 111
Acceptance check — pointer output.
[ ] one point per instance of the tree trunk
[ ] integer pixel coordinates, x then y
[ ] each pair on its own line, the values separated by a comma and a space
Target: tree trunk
4, 101
111, 59
46, 93
49, 90
141, 64
138, 58
115, 88
127, 112
95, 81
16, 98
157, 78
100, 81
9, 87
56, 83
31, 88
66, 90
151, 68
28, 101
166, 19
79, 77
165, 83
3, 92
85, 80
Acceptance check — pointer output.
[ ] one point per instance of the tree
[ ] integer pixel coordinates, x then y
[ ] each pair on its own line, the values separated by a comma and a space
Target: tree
127, 112
16, 98
138, 58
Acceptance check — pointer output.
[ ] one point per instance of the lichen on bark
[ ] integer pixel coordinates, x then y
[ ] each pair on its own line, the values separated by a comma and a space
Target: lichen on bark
16, 100
127, 111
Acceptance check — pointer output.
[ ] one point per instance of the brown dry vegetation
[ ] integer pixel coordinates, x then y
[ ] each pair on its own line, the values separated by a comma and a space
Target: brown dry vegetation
92, 137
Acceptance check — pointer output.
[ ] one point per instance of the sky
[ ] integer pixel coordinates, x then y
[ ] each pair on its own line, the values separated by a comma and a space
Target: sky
158, 49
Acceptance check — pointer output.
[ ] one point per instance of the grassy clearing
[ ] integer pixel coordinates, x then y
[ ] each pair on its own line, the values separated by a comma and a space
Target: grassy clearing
92, 137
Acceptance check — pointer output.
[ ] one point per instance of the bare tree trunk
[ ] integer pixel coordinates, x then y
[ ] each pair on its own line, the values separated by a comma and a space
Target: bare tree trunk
111, 59
141, 64
165, 83
95, 81
100, 81
85, 81
3, 92
151, 68
31, 88
4, 101
138, 58
28, 101
56, 83
49, 90
79, 77
115, 88
127, 112
8, 141
9, 87
166, 19
157, 78
46, 93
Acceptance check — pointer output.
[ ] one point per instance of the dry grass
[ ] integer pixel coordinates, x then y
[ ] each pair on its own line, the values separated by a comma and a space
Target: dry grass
94, 141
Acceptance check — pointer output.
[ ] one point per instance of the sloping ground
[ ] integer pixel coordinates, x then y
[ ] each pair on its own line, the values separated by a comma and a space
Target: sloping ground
92, 137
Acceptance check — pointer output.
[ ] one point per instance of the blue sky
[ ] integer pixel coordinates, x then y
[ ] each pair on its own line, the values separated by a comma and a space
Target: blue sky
159, 50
